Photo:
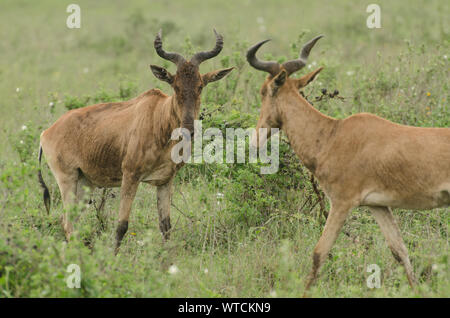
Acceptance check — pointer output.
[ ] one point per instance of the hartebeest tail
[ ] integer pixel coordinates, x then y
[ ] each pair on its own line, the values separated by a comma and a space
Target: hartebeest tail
42, 183
362, 160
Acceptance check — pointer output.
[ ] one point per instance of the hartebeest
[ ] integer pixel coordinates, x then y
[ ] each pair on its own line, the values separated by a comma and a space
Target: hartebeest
363, 160
123, 144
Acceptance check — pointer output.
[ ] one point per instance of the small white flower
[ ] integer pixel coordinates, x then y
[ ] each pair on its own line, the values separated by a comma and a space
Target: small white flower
412, 88
24, 127
51, 104
140, 243
220, 195
21, 142
206, 271
434, 267
445, 57
18, 89
173, 269
350, 73
397, 69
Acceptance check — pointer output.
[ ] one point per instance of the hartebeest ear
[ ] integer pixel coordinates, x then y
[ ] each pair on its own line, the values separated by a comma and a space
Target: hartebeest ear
308, 78
215, 75
162, 74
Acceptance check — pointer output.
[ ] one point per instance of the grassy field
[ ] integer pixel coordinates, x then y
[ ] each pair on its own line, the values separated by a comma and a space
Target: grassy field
236, 233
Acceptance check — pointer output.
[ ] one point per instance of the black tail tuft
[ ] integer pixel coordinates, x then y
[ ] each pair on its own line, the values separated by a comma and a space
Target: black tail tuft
43, 185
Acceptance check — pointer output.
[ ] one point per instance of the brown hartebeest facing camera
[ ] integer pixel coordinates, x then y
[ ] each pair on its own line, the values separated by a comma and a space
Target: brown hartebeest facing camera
363, 160
123, 144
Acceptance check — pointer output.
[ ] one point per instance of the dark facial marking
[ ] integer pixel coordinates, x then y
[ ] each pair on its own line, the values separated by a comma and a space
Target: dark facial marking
188, 86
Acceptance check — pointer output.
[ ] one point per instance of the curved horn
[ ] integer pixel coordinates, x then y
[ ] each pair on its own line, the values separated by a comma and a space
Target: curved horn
271, 67
294, 65
203, 56
173, 57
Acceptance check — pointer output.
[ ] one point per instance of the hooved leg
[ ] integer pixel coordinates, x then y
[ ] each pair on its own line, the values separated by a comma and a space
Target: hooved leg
335, 221
67, 184
127, 193
164, 197
390, 230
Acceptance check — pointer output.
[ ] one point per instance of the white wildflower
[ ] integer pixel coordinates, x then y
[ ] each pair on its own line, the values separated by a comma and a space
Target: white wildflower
18, 89
434, 267
350, 73
173, 269
24, 127
21, 142
51, 104
206, 271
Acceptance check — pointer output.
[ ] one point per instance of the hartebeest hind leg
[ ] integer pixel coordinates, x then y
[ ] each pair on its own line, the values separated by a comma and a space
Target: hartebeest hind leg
390, 230
128, 190
335, 221
68, 187
72, 188
67, 180
164, 196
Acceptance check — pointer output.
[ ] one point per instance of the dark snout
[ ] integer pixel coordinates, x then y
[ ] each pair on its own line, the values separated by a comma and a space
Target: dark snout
188, 123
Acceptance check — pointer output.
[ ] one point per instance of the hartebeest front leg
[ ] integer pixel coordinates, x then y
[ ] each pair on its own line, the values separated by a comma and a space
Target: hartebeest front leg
164, 198
333, 225
128, 190
391, 231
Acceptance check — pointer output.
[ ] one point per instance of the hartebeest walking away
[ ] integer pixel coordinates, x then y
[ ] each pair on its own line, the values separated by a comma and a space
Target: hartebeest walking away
124, 144
363, 160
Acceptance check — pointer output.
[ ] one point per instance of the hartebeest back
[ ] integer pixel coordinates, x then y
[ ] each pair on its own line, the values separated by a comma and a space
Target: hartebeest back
123, 144
362, 160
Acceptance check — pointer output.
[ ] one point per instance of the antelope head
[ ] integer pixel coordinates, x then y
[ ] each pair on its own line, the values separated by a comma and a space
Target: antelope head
278, 89
188, 82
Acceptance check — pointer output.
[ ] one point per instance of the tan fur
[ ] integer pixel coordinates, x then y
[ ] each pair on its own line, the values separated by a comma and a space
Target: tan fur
362, 160
102, 143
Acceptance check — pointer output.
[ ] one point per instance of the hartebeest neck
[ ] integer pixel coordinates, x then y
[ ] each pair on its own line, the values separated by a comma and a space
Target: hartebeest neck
308, 130
165, 117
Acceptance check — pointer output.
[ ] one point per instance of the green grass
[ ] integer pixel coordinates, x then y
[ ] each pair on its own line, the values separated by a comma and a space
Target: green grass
257, 240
